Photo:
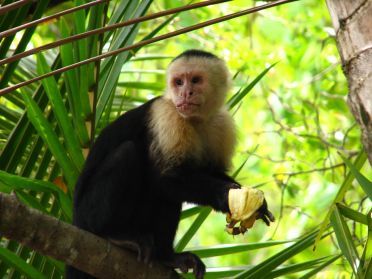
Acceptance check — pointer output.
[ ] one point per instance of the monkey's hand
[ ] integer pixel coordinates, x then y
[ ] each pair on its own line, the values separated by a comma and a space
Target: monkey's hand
246, 206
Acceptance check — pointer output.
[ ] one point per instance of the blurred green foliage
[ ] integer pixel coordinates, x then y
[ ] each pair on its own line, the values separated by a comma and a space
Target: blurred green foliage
291, 126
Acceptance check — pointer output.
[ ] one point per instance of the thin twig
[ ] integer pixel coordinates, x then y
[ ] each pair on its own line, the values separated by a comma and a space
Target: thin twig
48, 18
299, 211
97, 77
279, 219
12, 6
268, 158
145, 42
290, 174
283, 186
319, 136
108, 28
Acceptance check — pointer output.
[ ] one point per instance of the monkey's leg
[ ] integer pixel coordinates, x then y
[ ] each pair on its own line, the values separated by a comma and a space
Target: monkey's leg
142, 245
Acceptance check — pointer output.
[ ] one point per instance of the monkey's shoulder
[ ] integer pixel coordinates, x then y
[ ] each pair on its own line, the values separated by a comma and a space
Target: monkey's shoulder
129, 127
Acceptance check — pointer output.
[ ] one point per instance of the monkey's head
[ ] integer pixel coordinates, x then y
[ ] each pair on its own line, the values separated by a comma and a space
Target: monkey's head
197, 82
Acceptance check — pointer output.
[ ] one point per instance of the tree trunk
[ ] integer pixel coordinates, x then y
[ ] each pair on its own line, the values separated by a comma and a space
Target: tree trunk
352, 20
71, 245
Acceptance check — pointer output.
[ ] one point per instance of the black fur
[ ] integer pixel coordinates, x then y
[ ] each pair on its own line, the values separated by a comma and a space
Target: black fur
123, 196
196, 53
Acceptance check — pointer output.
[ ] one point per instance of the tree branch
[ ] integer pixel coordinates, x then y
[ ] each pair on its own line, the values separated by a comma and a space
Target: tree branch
78, 248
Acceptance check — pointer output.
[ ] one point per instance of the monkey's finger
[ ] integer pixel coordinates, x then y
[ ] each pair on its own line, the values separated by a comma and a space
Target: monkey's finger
267, 217
235, 186
266, 220
264, 211
270, 216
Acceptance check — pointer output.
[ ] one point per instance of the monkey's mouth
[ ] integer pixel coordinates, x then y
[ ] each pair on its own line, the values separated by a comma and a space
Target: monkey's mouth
187, 106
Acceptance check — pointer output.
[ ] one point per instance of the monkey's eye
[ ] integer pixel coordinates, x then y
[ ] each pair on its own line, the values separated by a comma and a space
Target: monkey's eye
196, 79
178, 81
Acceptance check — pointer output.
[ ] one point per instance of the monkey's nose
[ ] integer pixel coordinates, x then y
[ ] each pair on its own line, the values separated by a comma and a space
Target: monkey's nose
190, 93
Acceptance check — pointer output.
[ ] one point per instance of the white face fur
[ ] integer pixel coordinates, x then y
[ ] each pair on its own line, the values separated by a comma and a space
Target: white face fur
197, 86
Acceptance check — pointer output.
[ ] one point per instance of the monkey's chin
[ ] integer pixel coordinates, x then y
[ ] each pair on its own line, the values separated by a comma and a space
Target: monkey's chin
188, 110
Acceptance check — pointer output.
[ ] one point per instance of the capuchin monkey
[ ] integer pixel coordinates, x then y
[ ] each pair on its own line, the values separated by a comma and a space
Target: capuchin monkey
173, 149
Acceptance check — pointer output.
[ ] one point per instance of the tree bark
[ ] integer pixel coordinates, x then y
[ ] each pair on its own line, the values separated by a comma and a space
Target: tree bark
352, 20
71, 245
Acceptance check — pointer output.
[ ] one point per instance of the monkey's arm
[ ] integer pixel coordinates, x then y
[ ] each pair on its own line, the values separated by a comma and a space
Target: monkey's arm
208, 188
204, 188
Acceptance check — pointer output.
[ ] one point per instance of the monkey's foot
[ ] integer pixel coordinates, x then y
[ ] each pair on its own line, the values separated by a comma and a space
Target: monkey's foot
142, 245
187, 260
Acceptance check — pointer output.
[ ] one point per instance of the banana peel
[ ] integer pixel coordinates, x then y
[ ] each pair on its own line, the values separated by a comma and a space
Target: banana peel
246, 206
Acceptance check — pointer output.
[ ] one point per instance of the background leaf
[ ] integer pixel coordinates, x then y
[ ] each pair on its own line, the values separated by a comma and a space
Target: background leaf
290, 131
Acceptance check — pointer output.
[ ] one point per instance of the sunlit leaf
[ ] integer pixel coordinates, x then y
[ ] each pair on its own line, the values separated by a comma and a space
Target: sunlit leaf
238, 97
313, 272
15, 182
344, 240
60, 111
46, 131
352, 214
365, 266
21, 265
363, 181
359, 162
193, 229
228, 249
261, 270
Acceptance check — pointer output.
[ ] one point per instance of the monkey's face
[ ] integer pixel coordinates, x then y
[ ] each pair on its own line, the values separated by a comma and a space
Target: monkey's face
189, 92
196, 87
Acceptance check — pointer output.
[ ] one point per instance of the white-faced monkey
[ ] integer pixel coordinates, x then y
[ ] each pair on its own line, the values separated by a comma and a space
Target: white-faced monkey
172, 149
